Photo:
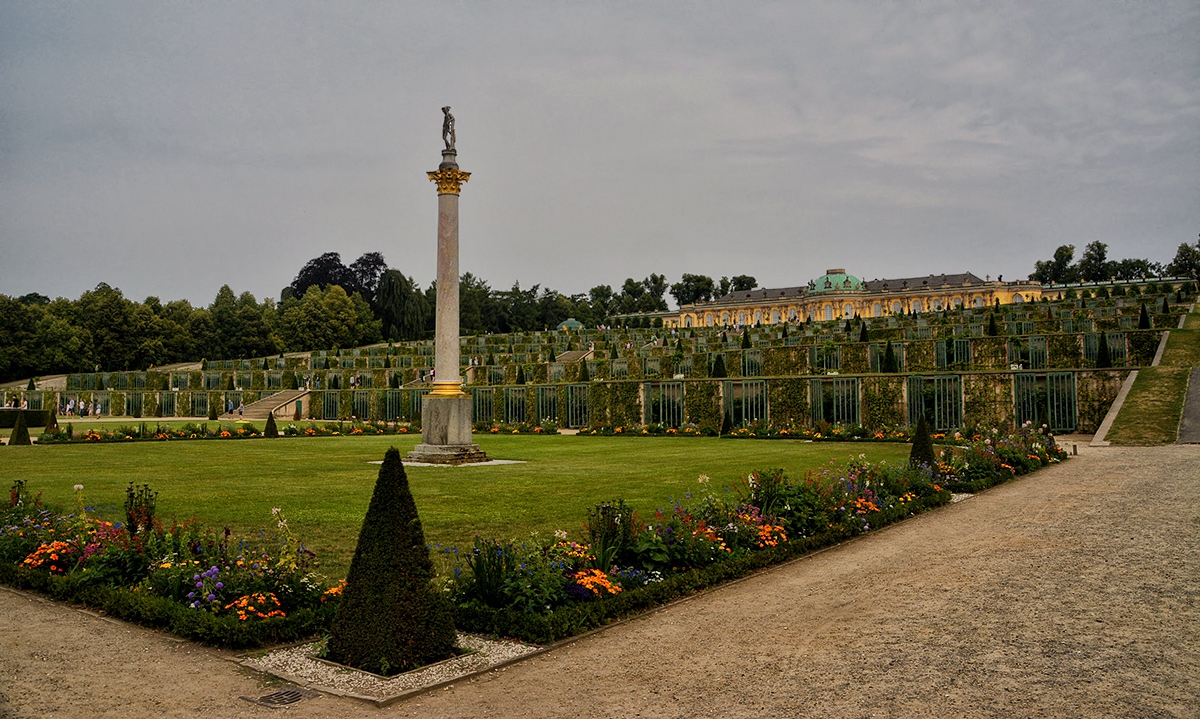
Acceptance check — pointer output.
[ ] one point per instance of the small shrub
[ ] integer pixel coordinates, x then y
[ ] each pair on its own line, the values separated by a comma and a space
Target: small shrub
20, 433
271, 430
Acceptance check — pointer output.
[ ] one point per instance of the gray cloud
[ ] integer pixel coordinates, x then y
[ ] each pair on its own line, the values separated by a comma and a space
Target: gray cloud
168, 149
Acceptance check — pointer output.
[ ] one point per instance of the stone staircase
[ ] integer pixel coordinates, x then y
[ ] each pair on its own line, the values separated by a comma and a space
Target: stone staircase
573, 356
259, 410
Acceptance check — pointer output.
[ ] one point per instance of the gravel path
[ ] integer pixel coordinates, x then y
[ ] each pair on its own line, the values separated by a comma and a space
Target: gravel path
1070, 593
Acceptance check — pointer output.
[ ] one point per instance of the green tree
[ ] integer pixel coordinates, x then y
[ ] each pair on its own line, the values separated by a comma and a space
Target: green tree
693, 288
1186, 262
391, 618
20, 432
742, 283
922, 454
1058, 270
1143, 318
1094, 265
271, 430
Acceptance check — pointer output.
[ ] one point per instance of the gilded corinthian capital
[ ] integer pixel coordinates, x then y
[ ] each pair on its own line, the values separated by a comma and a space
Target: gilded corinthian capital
449, 180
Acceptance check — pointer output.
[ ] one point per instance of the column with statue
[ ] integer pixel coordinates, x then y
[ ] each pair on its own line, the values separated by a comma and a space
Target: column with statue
446, 410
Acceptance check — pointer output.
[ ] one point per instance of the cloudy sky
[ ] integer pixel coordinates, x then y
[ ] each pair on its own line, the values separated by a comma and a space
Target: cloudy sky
168, 149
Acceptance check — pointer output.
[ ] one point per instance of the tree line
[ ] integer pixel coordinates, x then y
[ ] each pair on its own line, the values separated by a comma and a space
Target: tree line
328, 305
1094, 265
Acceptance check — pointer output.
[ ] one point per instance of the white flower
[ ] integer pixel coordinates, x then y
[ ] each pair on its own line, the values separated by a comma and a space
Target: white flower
560, 534
702, 479
79, 488
275, 511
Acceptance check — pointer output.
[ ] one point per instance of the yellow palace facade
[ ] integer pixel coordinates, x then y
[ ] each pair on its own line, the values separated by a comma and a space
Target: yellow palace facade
837, 295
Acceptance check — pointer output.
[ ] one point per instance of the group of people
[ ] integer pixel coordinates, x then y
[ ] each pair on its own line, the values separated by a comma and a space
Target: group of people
241, 408
79, 409
12, 403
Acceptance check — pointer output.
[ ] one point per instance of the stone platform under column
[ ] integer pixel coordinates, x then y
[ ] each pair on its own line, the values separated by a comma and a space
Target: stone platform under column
446, 433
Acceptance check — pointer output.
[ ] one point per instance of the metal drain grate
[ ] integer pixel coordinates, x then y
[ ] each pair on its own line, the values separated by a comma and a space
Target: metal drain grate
283, 697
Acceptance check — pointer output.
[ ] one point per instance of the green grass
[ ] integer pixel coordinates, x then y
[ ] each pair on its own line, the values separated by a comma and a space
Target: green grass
1151, 413
324, 484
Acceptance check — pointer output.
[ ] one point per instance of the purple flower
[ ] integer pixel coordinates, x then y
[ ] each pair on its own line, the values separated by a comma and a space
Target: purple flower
199, 585
211, 597
195, 577
191, 594
220, 585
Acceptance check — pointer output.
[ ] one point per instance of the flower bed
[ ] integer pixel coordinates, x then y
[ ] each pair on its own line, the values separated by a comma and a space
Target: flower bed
203, 430
542, 591
184, 578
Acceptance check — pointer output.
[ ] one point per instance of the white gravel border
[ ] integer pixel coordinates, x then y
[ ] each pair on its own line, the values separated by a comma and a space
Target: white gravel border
298, 665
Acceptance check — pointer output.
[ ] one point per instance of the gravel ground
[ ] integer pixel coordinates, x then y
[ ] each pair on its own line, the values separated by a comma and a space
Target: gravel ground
1073, 592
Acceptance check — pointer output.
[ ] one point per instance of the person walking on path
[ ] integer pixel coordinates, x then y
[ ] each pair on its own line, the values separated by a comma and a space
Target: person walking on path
241, 410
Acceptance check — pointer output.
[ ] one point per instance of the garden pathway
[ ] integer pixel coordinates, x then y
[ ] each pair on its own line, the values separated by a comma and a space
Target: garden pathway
1069, 593
1189, 423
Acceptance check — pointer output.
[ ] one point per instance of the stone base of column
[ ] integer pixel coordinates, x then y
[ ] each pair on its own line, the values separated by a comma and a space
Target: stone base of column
446, 433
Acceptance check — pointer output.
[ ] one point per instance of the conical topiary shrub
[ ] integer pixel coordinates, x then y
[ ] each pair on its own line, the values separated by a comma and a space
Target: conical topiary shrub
889, 359
20, 432
922, 447
1166, 310
1103, 355
718, 367
862, 333
212, 410
745, 338
1143, 319
520, 374
992, 330
391, 618
583, 371
271, 430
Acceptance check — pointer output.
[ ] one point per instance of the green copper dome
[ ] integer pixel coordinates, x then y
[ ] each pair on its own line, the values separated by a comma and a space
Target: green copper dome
835, 280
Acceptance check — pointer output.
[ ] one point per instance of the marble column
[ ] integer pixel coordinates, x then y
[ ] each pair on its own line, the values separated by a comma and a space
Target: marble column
446, 411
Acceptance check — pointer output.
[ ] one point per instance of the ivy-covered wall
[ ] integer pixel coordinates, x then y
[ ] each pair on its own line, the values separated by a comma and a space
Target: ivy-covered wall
702, 403
920, 356
989, 353
855, 358
1143, 346
787, 402
1094, 395
624, 403
988, 401
1064, 350
883, 401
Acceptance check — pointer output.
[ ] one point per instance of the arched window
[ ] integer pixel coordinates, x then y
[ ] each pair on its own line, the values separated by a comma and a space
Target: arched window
792, 314
848, 311
977, 303
916, 306
1017, 299
828, 313
877, 309
757, 316
708, 319
958, 303
741, 318
774, 317
687, 321
897, 306
725, 318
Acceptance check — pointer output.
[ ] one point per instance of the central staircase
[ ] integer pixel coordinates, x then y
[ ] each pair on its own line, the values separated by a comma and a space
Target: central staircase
263, 407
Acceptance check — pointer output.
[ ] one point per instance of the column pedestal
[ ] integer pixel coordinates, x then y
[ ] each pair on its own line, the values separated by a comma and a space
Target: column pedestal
446, 432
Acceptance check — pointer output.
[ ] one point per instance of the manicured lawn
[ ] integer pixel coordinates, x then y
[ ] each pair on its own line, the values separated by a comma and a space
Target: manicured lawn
324, 484
1150, 415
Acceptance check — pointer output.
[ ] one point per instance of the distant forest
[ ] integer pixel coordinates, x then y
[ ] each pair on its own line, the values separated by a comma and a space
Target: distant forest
330, 305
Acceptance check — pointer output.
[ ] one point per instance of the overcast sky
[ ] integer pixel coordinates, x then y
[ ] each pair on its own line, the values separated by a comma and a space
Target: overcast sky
170, 148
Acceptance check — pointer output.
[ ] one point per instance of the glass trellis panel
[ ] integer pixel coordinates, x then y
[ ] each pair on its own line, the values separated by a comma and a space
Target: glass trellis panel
558, 372
962, 352
139, 380
415, 403
179, 380
684, 366
651, 366
393, 404
947, 402
845, 401
664, 403
199, 404
319, 363
916, 398
1037, 352
212, 380
745, 401
575, 413
1029, 405
274, 380
592, 366
102, 398
620, 368
495, 375
482, 405
1091, 346
166, 404
362, 404
514, 405
133, 403
1060, 398
1116, 348
546, 404
244, 379
875, 356
751, 363
34, 399
329, 405
1018, 353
